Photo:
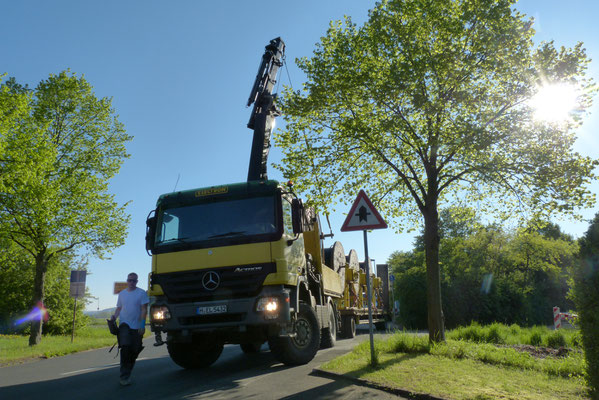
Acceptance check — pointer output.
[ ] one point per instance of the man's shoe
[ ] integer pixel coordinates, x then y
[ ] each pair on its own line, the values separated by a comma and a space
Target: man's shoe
125, 382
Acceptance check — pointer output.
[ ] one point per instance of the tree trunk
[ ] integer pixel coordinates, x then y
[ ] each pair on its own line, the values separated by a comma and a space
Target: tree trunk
41, 266
436, 323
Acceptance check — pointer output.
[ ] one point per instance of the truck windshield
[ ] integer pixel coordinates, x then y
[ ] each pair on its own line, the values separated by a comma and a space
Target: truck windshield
214, 221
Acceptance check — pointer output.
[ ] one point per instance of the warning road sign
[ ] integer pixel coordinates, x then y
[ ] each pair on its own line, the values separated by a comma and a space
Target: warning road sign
363, 216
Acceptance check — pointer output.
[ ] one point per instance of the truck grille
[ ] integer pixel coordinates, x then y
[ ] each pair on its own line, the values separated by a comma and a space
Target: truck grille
230, 282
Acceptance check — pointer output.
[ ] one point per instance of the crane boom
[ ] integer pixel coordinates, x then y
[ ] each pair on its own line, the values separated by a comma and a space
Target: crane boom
264, 111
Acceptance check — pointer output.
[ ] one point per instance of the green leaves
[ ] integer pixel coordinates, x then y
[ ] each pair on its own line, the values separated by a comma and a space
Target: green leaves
58, 156
427, 102
59, 146
585, 294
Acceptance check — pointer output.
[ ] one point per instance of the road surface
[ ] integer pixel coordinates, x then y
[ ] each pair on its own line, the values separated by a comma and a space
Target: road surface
94, 375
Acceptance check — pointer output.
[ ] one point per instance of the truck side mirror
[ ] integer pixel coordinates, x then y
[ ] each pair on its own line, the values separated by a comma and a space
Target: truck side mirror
297, 216
150, 231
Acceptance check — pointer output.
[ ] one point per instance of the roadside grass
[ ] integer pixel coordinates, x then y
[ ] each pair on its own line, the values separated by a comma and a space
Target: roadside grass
459, 369
15, 348
513, 335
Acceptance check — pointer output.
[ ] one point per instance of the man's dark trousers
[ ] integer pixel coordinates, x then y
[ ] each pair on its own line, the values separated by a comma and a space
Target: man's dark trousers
130, 342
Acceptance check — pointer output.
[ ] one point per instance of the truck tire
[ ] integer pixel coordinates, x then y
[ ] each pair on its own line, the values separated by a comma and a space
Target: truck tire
302, 348
348, 326
201, 353
251, 347
329, 335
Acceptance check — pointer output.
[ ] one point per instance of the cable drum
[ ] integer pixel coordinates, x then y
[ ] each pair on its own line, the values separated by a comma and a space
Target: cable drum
334, 257
352, 260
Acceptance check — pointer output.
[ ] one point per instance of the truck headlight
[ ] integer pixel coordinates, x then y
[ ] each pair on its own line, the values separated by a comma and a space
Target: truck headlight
159, 314
268, 305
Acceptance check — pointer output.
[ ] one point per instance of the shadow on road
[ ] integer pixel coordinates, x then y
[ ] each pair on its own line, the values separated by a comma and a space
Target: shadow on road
155, 378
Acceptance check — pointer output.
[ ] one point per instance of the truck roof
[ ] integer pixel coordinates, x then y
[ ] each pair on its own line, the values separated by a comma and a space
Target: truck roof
240, 189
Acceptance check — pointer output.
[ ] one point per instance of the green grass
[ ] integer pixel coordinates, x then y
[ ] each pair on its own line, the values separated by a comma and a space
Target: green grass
460, 369
514, 334
15, 348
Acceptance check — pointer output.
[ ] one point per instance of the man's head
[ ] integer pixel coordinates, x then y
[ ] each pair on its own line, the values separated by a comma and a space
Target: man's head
131, 281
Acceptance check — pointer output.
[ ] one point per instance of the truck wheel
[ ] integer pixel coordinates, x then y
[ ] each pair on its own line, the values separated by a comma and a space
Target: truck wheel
251, 348
301, 348
201, 353
348, 326
329, 335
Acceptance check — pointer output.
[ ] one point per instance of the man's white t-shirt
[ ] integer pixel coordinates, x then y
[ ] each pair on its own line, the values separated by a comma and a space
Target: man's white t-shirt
130, 303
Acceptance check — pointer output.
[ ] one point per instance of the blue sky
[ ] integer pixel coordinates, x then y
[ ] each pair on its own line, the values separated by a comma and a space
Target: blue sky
180, 72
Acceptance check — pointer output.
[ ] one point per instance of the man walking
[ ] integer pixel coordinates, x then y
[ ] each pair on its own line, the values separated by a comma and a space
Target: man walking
131, 309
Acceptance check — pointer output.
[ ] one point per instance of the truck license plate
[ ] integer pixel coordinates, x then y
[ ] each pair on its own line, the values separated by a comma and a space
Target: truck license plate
212, 309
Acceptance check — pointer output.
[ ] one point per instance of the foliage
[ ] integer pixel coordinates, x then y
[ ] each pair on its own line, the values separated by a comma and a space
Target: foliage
427, 104
16, 283
556, 340
585, 294
410, 289
490, 275
60, 145
16, 291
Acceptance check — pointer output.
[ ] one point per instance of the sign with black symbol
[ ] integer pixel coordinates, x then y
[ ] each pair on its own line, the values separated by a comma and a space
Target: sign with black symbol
363, 216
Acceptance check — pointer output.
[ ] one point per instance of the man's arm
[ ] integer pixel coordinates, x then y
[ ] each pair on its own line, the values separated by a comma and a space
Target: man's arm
116, 314
144, 314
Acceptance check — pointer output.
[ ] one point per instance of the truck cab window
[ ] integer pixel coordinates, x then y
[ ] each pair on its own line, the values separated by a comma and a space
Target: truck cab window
220, 220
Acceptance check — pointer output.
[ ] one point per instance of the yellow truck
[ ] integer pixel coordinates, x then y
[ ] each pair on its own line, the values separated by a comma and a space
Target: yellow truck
245, 263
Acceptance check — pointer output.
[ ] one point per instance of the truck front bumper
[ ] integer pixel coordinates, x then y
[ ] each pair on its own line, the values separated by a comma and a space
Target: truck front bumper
223, 314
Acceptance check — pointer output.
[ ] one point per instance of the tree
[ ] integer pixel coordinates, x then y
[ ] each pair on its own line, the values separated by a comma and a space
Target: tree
426, 105
488, 274
585, 294
56, 161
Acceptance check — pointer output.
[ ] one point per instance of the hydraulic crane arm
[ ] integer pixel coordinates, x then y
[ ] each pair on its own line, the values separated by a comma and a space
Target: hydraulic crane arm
264, 111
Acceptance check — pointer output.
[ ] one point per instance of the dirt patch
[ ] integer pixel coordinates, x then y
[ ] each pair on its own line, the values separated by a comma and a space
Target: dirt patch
542, 352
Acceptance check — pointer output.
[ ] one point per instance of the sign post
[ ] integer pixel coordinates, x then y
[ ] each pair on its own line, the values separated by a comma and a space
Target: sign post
77, 290
363, 216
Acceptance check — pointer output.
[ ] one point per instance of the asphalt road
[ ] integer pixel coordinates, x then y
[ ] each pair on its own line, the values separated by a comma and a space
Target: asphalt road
94, 374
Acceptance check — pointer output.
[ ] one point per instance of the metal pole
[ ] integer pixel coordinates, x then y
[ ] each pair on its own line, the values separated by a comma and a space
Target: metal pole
74, 309
368, 284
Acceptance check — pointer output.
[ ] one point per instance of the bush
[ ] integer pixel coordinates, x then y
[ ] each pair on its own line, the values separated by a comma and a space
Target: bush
411, 289
493, 335
515, 329
473, 333
536, 338
556, 340
576, 340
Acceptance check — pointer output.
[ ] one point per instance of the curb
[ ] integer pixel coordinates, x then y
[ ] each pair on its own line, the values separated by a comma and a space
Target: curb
363, 382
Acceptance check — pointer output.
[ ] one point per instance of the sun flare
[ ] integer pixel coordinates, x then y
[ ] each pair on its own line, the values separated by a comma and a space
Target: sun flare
554, 103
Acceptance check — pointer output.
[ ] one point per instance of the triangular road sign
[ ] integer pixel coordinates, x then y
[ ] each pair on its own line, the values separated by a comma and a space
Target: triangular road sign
363, 216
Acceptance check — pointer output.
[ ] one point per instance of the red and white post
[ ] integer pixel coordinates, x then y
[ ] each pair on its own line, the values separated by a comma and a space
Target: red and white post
557, 318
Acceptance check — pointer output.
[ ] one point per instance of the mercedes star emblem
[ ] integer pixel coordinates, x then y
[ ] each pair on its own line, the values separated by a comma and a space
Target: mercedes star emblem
210, 280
